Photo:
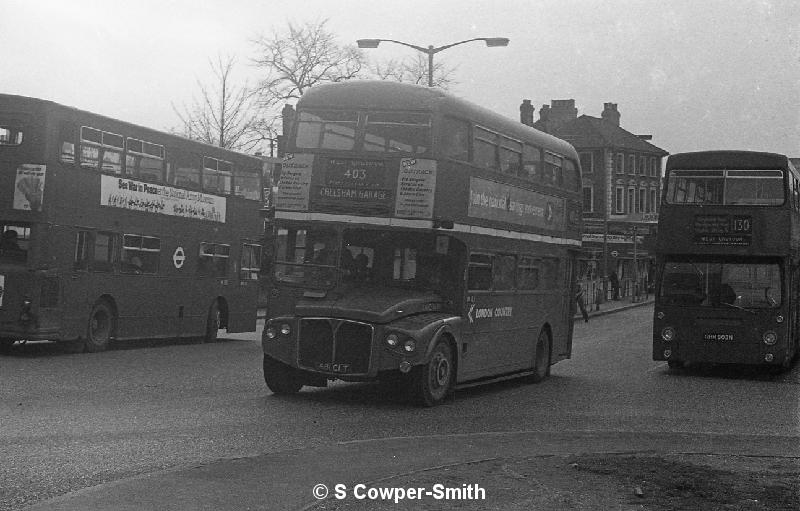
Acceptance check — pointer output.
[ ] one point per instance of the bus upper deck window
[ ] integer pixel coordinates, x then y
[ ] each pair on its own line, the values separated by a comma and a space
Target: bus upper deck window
326, 130
10, 136
397, 132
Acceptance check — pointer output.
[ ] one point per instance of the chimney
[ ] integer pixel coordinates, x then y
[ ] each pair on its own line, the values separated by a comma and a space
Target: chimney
563, 110
544, 113
526, 112
645, 137
610, 113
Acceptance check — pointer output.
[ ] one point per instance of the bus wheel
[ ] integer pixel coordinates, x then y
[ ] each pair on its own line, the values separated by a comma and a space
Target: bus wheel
280, 378
541, 361
212, 322
434, 381
100, 328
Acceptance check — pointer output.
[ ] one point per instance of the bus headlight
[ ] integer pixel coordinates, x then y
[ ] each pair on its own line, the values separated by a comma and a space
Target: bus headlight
668, 333
770, 338
286, 329
410, 345
779, 319
392, 340
271, 332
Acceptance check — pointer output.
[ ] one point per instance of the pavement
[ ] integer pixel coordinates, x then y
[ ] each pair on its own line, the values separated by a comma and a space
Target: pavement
291, 479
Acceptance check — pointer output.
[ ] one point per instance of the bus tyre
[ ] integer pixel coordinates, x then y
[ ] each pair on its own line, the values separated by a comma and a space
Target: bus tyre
212, 323
100, 328
280, 378
541, 360
433, 381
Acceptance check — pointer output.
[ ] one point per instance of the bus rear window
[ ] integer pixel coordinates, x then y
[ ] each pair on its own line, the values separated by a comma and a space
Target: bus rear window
10, 135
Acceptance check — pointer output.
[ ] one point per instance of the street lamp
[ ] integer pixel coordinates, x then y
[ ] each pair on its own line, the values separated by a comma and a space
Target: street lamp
430, 51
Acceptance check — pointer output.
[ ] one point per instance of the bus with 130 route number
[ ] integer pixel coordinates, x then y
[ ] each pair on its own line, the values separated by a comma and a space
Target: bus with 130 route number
728, 260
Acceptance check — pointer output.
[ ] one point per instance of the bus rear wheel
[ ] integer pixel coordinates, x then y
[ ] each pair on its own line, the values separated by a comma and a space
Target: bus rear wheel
100, 328
280, 378
212, 322
541, 360
433, 381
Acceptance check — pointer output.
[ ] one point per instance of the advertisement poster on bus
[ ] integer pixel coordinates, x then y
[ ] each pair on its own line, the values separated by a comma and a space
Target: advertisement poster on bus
164, 200
506, 203
416, 183
295, 182
29, 187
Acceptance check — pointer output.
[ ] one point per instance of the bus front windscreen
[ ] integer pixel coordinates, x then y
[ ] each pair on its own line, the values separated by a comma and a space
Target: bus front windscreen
706, 283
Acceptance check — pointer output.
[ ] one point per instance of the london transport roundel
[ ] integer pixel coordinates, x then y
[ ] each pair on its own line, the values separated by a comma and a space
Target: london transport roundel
178, 258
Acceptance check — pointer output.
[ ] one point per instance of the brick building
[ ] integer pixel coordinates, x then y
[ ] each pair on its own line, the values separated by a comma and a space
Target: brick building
621, 190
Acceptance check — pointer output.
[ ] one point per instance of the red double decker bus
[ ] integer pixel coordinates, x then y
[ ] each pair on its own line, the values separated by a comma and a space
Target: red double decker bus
116, 231
419, 236
728, 258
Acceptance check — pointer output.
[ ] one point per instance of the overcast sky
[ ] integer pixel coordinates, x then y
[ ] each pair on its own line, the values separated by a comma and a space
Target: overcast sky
694, 74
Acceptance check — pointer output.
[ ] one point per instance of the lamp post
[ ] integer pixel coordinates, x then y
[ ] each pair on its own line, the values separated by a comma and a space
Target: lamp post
430, 51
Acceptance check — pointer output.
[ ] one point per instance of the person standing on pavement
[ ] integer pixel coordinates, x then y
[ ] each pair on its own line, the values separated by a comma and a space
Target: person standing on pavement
581, 305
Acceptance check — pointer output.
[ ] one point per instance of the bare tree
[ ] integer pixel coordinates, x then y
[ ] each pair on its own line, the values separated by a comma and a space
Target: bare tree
225, 114
414, 71
306, 55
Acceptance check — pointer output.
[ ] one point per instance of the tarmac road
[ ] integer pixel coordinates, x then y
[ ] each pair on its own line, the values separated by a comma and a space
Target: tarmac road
192, 427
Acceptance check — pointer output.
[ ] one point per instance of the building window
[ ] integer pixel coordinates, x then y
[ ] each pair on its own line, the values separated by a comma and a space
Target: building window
588, 199
620, 163
587, 163
619, 200
631, 164
642, 165
653, 172
653, 201
642, 200
631, 200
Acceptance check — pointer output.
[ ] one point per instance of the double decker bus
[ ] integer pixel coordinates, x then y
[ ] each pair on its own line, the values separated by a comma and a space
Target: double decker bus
115, 231
728, 260
420, 238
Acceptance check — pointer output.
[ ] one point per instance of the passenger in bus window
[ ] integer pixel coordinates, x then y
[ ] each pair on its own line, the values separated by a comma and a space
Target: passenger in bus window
9, 240
360, 267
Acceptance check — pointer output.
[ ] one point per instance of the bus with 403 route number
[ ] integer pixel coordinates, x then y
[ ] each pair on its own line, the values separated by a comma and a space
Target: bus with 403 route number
728, 260
113, 231
418, 238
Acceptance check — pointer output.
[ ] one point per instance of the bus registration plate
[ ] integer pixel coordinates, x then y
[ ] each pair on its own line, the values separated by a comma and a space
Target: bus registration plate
716, 336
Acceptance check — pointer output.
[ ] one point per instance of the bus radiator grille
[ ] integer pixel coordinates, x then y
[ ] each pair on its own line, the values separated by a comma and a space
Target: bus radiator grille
335, 345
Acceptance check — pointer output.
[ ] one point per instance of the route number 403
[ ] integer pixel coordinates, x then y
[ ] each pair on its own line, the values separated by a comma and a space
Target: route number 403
356, 174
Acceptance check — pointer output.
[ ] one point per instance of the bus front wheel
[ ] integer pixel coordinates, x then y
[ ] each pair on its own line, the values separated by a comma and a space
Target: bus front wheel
434, 381
100, 328
280, 378
541, 360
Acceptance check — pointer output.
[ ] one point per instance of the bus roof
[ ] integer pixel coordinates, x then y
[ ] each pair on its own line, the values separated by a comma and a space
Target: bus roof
37, 103
725, 159
379, 94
